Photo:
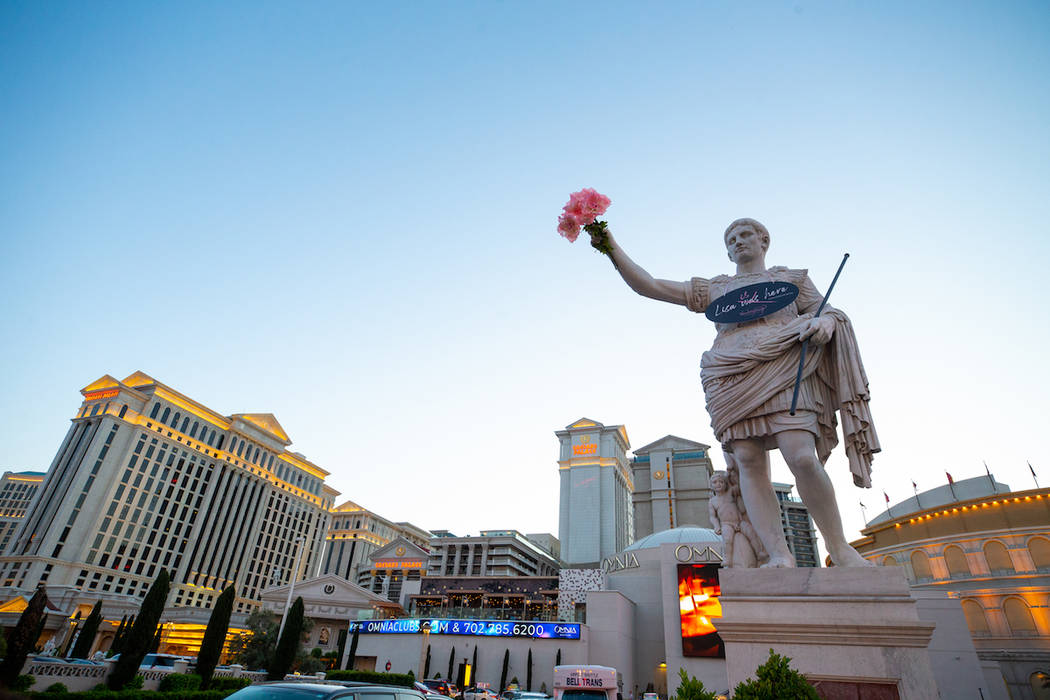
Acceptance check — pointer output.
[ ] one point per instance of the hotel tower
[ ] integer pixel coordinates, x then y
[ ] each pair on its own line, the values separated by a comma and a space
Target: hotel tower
146, 478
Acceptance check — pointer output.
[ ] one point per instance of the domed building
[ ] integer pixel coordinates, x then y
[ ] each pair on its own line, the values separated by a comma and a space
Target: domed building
987, 546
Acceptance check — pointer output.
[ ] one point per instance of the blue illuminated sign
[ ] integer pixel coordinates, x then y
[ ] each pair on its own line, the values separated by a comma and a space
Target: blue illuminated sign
476, 628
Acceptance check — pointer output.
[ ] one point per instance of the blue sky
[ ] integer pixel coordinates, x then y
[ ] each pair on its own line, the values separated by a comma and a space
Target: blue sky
344, 214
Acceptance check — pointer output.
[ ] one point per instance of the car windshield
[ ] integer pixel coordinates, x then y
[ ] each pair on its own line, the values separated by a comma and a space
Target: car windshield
582, 695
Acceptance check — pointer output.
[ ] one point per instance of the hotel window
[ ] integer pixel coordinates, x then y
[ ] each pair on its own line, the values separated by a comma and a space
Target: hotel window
998, 558
956, 562
123, 410
1039, 550
175, 420
193, 429
185, 424
164, 416
920, 565
1019, 617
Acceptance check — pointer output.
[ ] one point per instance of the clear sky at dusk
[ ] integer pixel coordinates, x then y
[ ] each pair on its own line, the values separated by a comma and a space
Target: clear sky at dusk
344, 214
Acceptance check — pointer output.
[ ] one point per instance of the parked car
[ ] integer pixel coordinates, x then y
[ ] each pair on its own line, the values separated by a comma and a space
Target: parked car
525, 695
324, 690
479, 693
160, 660
439, 686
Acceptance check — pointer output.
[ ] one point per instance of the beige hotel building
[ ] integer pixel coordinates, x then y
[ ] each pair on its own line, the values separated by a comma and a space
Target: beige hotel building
147, 478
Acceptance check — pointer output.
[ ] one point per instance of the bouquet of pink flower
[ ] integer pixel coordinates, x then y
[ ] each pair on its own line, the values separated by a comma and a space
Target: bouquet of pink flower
582, 211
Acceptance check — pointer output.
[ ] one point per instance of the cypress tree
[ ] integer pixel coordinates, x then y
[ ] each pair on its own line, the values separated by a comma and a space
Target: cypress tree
215, 636
154, 645
557, 660
426, 664
474, 664
341, 649
114, 647
503, 676
138, 640
352, 658
451, 661
288, 644
22, 639
528, 672
86, 640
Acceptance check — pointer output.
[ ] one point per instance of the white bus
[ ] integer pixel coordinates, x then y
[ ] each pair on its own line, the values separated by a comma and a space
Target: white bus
585, 683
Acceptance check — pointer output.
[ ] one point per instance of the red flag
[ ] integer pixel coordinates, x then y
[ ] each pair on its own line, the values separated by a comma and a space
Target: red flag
950, 479
915, 486
887, 496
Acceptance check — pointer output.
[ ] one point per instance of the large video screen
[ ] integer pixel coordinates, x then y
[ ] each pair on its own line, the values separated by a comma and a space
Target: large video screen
698, 605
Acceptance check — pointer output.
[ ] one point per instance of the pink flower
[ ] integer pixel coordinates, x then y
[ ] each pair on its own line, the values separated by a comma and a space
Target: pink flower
583, 208
569, 227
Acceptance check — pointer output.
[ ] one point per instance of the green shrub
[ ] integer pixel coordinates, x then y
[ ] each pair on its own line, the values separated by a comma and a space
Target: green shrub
23, 683
180, 682
56, 689
229, 683
691, 688
135, 683
775, 680
402, 679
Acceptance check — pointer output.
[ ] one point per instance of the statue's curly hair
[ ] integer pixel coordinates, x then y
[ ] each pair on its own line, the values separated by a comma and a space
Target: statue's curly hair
762, 231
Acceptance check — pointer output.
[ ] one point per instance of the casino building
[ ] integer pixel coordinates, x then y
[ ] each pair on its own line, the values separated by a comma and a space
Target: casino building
146, 477
978, 542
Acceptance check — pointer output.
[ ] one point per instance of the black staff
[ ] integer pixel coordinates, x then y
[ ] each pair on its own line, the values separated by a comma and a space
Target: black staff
805, 343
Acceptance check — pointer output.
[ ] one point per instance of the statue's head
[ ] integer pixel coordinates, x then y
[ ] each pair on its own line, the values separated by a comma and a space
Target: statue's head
745, 228
719, 481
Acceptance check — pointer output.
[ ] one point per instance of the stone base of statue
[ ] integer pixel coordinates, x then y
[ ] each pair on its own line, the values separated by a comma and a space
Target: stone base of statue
848, 630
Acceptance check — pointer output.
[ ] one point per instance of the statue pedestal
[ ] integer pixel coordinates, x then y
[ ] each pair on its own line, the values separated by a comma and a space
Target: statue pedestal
843, 627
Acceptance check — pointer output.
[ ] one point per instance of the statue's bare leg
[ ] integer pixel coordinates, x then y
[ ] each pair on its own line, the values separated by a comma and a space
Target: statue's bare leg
728, 535
762, 507
815, 489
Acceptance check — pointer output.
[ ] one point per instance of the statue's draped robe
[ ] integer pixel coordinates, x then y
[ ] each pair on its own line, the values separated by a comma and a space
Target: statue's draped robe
749, 374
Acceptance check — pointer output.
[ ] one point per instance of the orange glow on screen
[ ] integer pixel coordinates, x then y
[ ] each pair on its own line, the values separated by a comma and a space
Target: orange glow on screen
698, 603
699, 610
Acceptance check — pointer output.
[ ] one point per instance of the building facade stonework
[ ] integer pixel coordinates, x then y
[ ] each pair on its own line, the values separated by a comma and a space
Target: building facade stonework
595, 514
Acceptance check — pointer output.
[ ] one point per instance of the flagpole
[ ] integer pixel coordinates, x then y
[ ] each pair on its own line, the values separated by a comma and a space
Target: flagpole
951, 485
1034, 477
915, 488
863, 513
995, 489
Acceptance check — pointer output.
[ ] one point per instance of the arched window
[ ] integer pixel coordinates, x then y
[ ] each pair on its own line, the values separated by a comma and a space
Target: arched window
1040, 682
1019, 617
156, 408
255, 457
889, 561
164, 416
920, 564
998, 558
193, 429
123, 410
975, 618
956, 562
1039, 549
185, 424
240, 447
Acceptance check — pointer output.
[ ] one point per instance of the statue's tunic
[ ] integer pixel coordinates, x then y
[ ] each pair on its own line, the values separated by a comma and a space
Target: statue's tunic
749, 374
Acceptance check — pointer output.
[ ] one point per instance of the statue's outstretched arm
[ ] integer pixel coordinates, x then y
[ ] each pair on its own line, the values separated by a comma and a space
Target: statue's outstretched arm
642, 282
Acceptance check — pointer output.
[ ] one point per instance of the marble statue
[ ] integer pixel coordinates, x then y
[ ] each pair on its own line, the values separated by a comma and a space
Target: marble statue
748, 378
729, 521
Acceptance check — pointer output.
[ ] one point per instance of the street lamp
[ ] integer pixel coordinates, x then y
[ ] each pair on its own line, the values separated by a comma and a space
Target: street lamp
291, 585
